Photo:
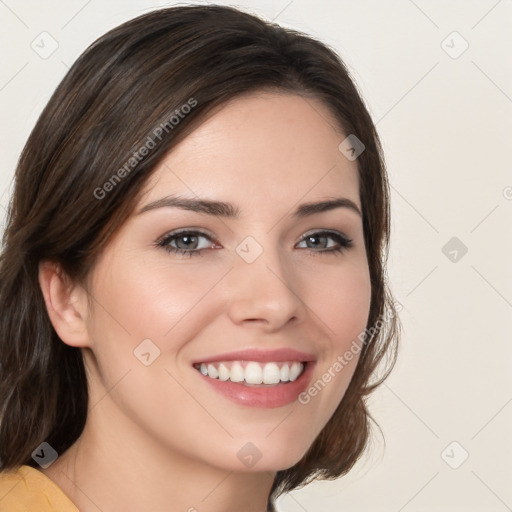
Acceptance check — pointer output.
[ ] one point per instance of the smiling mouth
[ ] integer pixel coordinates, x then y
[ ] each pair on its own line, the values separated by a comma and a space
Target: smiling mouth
253, 373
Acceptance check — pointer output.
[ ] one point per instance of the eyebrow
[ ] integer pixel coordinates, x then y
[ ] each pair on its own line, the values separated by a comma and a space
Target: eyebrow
228, 210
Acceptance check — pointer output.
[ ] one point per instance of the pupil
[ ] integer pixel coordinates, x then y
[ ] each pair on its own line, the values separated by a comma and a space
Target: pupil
315, 240
188, 240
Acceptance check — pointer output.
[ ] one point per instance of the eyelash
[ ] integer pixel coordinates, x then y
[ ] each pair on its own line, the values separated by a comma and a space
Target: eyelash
343, 242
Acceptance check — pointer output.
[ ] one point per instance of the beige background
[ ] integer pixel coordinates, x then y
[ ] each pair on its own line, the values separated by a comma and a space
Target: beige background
445, 121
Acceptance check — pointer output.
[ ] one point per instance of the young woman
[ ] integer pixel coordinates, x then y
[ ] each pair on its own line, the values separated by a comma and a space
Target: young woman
192, 284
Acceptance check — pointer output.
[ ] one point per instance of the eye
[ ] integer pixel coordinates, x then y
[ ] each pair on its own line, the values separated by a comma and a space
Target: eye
323, 240
185, 242
192, 243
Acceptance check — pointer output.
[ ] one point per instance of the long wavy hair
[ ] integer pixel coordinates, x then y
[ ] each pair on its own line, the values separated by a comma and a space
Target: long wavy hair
123, 89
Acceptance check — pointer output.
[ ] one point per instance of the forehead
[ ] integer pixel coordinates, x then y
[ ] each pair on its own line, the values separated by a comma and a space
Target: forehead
261, 148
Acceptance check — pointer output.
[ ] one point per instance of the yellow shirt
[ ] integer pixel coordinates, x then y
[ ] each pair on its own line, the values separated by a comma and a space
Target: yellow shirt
30, 490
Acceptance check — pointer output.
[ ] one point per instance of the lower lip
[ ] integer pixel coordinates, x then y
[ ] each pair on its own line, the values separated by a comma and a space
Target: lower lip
262, 396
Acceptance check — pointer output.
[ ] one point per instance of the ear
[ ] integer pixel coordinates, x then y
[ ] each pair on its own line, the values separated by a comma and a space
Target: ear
66, 304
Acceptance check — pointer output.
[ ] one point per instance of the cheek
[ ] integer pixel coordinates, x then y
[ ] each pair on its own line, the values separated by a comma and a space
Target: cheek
342, 301
344, 309
136, 303
150, 301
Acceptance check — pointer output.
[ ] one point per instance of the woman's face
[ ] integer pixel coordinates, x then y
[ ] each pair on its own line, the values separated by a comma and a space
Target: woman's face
260, 276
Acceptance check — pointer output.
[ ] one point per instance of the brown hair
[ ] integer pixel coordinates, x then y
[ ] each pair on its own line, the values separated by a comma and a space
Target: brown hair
120, 93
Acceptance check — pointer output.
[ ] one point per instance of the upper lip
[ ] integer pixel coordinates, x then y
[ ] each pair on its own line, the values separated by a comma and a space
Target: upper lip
260, 355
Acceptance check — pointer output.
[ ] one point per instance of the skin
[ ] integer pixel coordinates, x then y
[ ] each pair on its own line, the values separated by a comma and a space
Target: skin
157, 437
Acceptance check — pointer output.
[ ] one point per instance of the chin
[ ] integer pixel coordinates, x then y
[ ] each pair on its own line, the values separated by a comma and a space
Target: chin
264, 454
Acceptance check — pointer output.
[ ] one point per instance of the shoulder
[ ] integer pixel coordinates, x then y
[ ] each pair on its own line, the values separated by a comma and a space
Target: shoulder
27, 489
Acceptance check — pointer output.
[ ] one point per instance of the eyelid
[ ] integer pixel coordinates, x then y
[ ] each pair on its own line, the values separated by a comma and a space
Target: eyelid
342, 241
193, 230
323, 231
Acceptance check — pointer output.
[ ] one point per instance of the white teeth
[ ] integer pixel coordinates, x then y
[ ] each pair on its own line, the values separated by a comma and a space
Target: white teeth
295, 371
212, 371
237, 373
271, 374
253, 373
223, 372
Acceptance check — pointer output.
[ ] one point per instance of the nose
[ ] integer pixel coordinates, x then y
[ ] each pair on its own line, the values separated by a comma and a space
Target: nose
264, 293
